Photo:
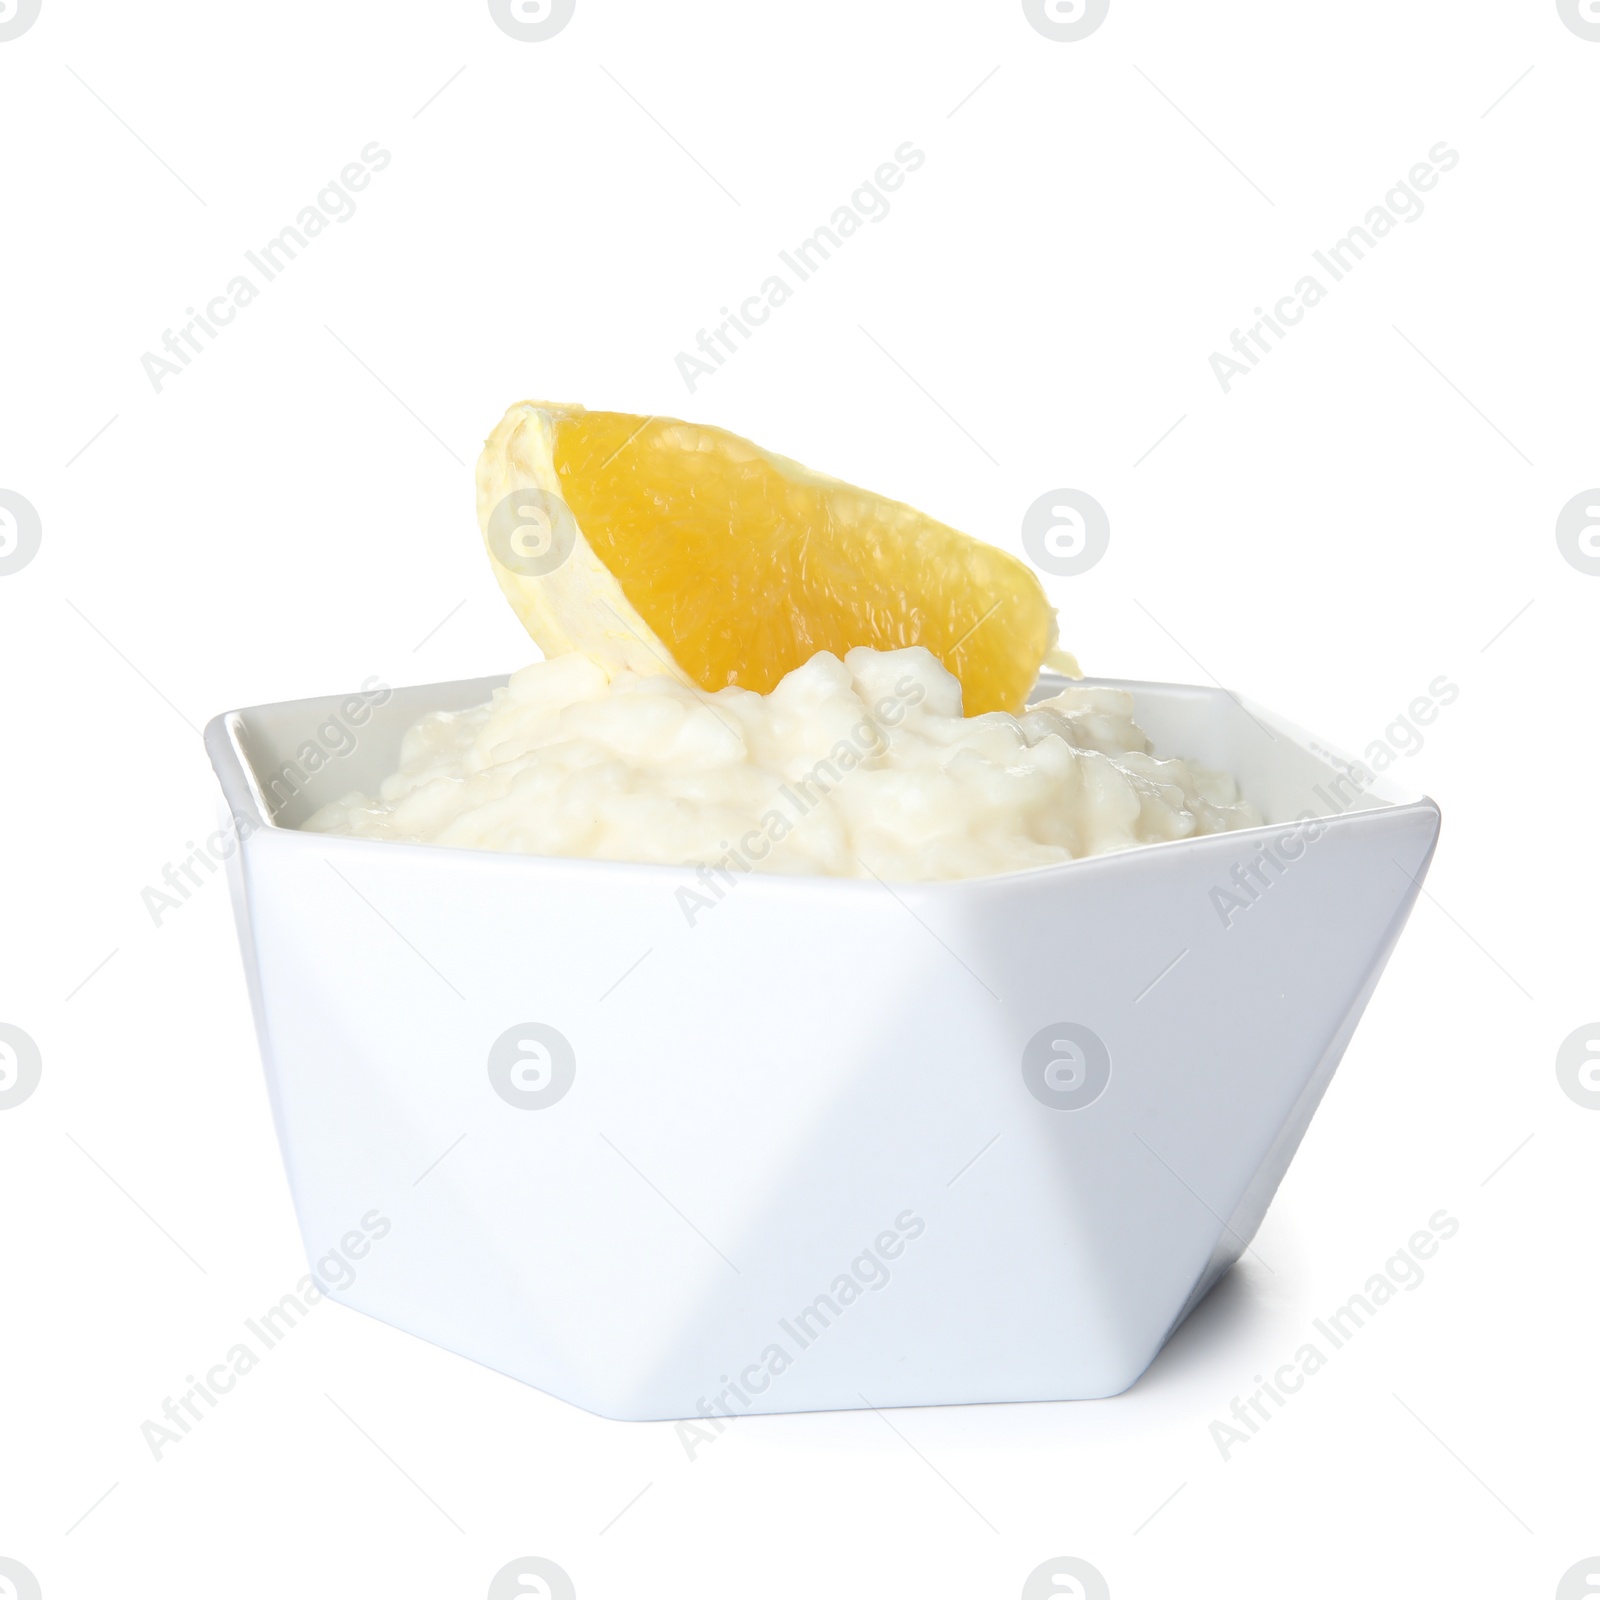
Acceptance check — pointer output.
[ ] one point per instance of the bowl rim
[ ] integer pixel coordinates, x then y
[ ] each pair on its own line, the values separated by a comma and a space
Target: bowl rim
253, 818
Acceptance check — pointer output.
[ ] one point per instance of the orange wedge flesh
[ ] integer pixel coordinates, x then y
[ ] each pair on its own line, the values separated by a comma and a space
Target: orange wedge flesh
744, 564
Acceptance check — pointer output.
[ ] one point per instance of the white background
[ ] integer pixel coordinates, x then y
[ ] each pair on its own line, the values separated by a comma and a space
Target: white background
1372, 507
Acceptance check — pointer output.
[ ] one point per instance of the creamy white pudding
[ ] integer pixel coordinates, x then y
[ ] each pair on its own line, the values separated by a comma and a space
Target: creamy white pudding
856, 768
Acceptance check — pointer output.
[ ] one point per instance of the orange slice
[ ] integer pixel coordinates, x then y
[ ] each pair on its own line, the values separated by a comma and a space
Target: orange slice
654, 545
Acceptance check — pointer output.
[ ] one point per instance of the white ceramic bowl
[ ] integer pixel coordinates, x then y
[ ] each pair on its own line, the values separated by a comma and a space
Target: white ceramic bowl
838, 1143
